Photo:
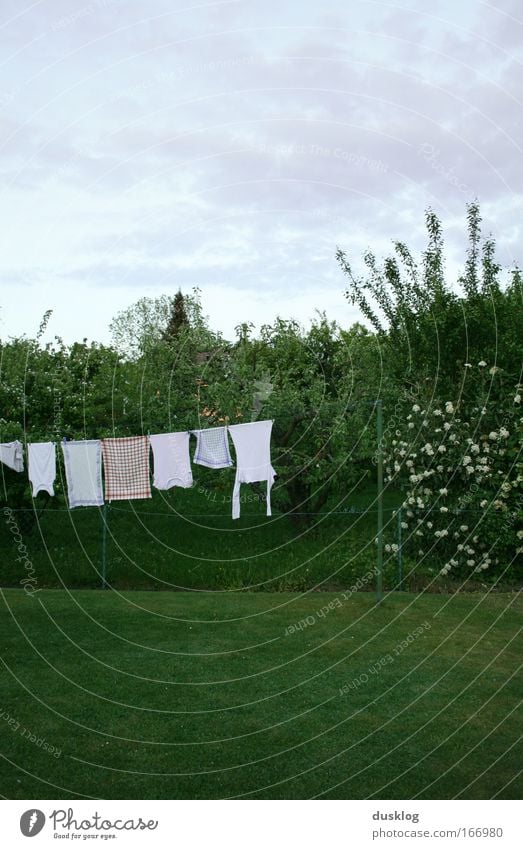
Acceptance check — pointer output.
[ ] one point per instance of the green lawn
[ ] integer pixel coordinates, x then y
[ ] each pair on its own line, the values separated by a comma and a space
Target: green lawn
188, 540
217, 695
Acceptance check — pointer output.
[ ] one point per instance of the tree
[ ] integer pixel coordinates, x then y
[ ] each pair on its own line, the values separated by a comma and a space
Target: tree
178, 319
428, 330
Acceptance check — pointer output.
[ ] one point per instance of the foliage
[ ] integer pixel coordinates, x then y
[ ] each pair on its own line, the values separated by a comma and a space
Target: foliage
178, 318
427, 329
138, 329
459, 462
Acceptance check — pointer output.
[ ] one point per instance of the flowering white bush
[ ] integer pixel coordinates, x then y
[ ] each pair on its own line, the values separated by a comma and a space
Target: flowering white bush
461, 470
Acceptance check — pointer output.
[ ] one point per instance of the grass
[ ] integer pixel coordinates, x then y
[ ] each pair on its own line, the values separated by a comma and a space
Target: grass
219, 695
187, 540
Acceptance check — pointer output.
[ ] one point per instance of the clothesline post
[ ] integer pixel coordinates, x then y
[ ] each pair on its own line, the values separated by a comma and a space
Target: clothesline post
105, 517
379, 428
400, 553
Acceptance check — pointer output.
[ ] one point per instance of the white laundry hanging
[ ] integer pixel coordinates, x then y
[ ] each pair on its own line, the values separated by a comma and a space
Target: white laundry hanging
83, 472
252, 442
41, 457
172, 463
12, 454
212, 448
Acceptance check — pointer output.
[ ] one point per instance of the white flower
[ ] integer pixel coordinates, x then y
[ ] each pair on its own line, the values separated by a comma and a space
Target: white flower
444, 532
446, 425
519, 534
483, 411
482, 364
467, 460
470, 563
437, 413
469, 470
483, 503
428, 449
411, 425
441, 449
409, 464
463, 528
443, 491
493, 435
460, 547
429, 525
387, 547
474, 449
493, 370
468, 365
416, 408
517, 399
439, 469
453, 437
443, 509
394, 547
404, 525
503, 432
449, 407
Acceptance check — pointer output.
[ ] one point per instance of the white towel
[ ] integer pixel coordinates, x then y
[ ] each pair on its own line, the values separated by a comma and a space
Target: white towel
252, 442
83, 472
12, 454
212, 448
41, 458
172, 464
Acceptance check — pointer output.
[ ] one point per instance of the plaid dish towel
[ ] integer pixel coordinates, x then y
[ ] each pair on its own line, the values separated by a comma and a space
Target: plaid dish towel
212, 448
126, 468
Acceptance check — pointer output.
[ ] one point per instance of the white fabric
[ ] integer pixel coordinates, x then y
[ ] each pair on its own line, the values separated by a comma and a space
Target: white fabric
12, 454
83, 472
212, 448
252, 442
41, 457
172, 464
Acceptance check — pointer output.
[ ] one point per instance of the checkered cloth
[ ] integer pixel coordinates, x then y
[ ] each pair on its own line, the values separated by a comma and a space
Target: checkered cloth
126, 468
212, 448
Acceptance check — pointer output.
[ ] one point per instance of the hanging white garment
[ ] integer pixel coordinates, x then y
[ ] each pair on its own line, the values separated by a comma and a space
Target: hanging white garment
41, 458
212, 448
83, 472
252, 442
12, 454
172, 464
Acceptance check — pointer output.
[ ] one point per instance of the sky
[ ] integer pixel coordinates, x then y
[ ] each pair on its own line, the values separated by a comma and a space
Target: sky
232, 146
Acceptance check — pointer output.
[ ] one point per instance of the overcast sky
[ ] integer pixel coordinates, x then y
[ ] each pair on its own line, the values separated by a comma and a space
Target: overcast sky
151, 146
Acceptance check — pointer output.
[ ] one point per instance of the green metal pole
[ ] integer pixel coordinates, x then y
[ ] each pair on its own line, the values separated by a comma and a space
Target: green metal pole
105, 515
400, 552
379, 427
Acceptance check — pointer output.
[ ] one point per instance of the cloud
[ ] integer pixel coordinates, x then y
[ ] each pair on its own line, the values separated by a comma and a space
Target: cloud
234, 145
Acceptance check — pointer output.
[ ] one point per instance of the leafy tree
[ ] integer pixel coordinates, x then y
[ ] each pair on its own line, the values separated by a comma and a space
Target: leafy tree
428, 329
